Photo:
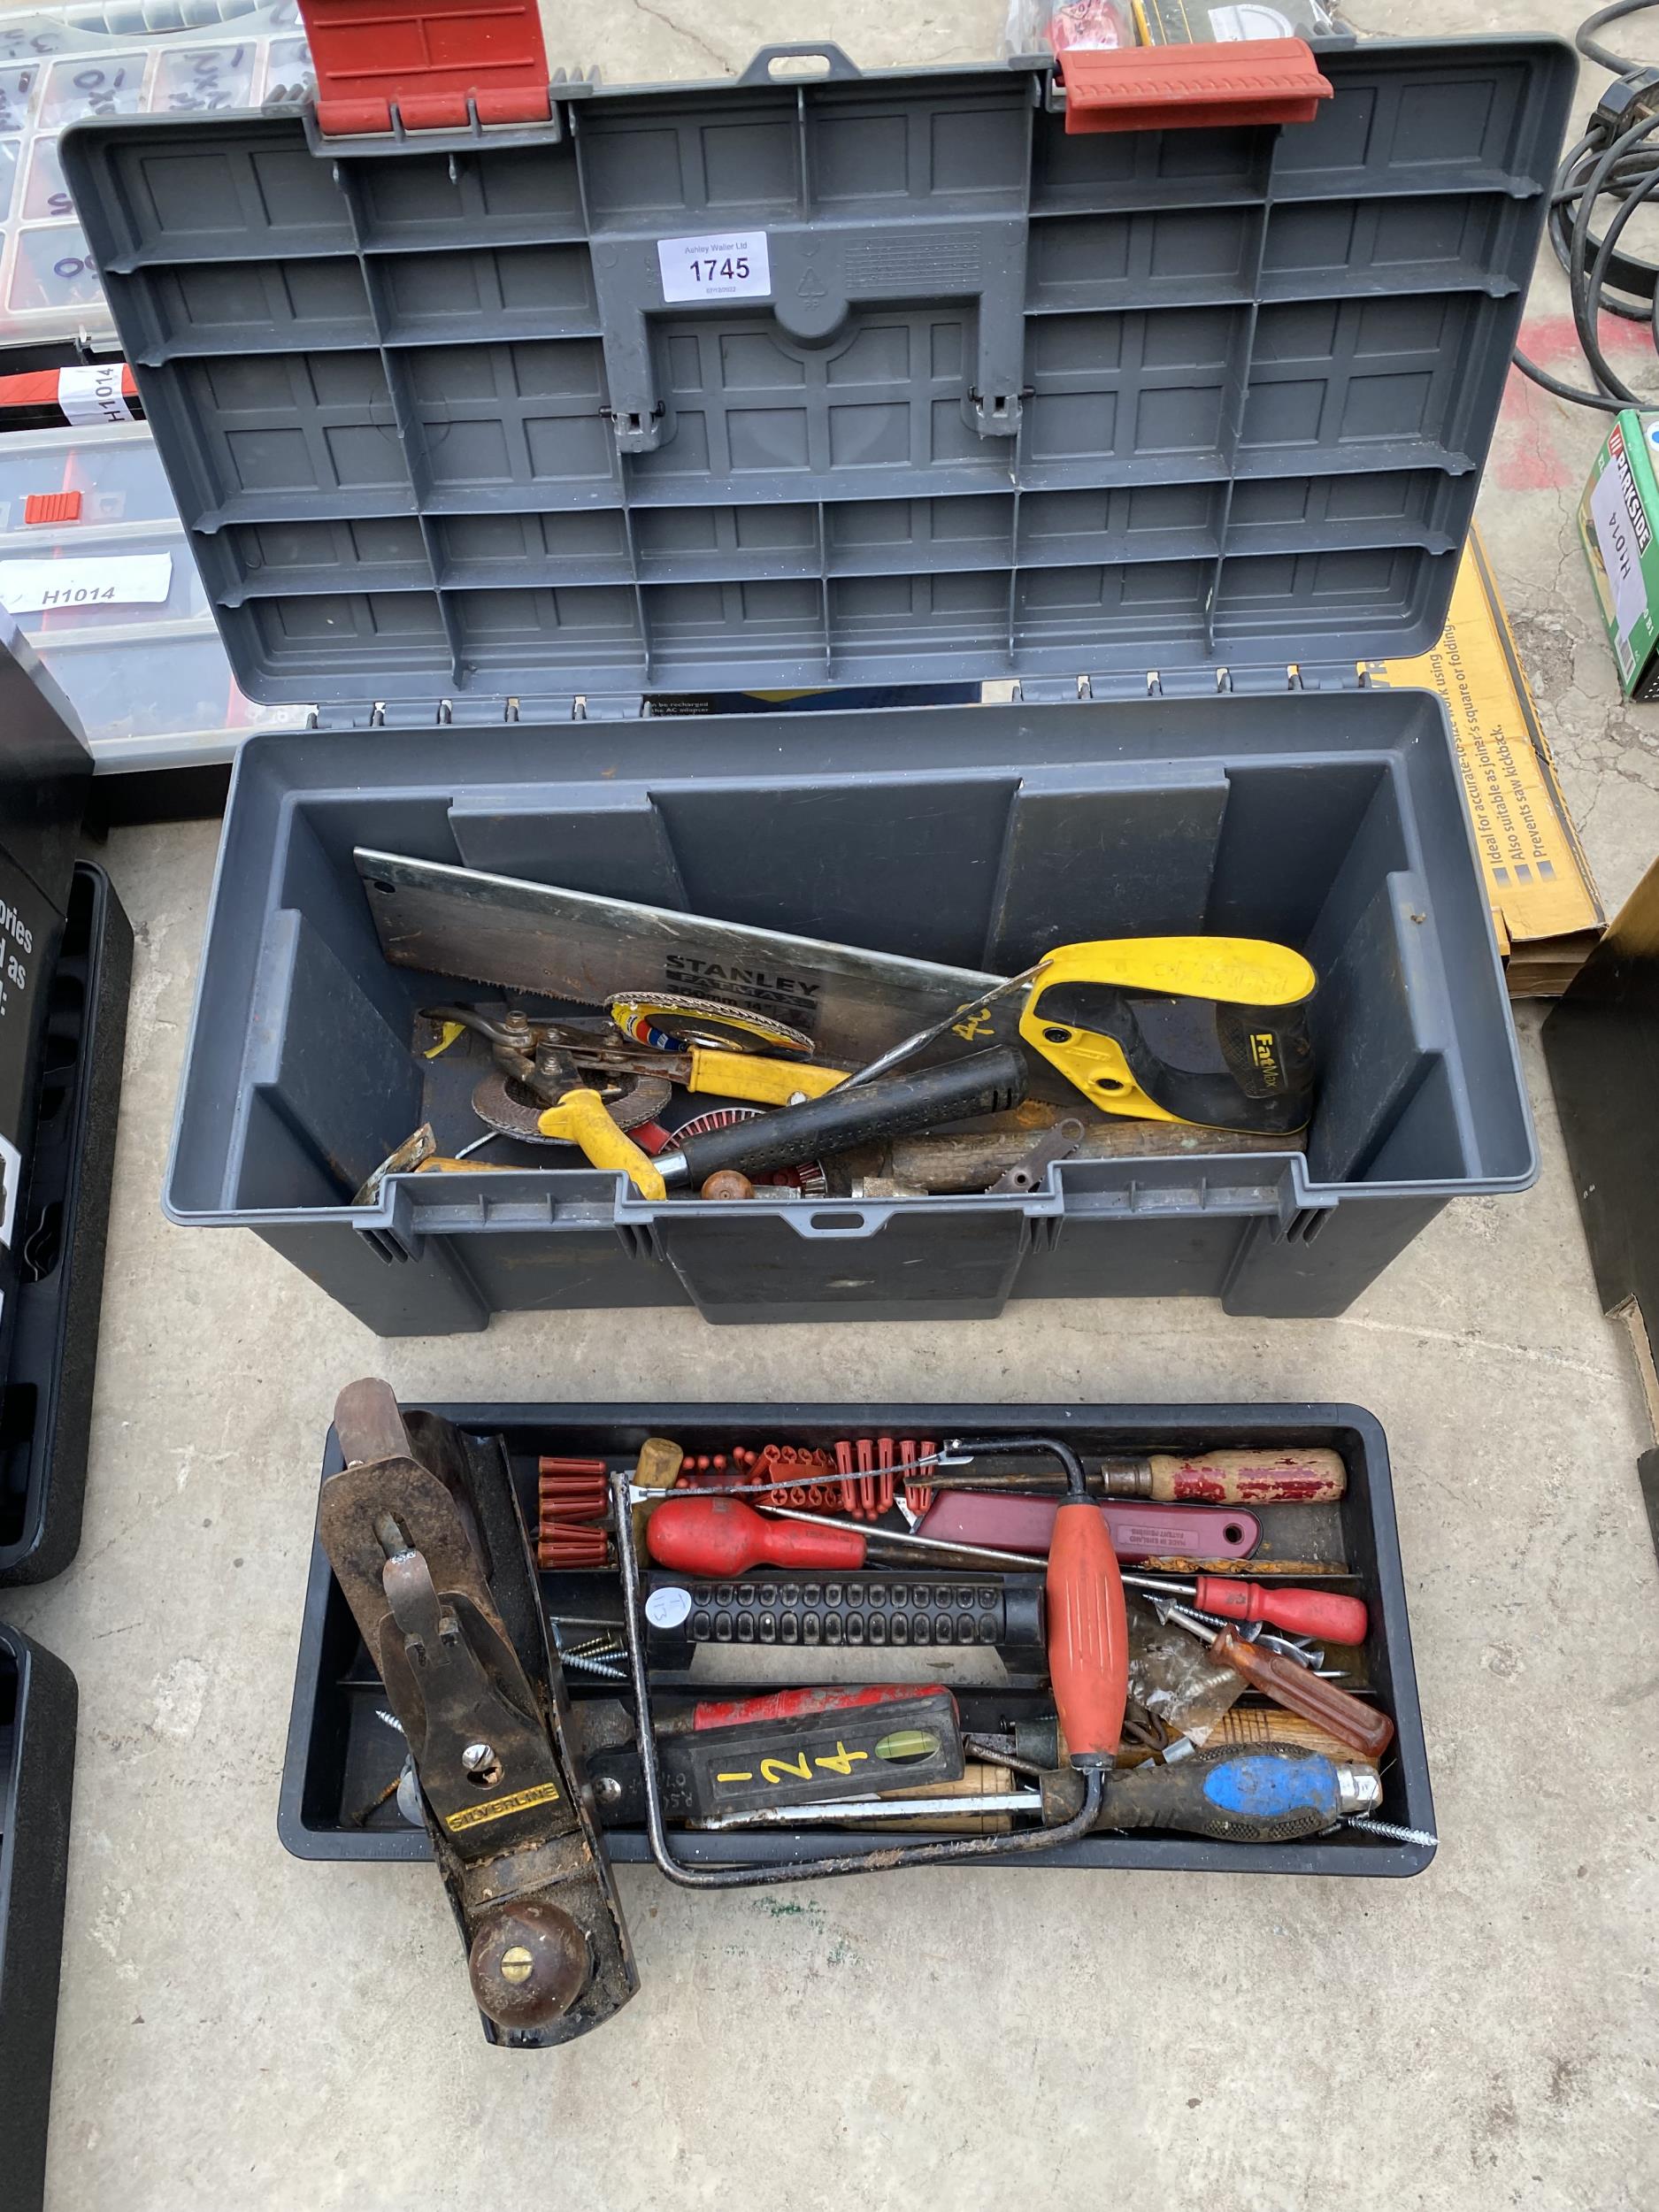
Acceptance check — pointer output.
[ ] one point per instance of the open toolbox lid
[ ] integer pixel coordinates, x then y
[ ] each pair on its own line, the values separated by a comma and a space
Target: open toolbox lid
855, 379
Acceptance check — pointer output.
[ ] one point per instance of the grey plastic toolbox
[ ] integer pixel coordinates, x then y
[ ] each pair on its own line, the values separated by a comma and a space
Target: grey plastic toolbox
858, 380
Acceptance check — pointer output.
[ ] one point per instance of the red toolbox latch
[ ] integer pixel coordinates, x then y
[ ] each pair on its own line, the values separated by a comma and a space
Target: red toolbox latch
1190, 87
40, 507
437, 63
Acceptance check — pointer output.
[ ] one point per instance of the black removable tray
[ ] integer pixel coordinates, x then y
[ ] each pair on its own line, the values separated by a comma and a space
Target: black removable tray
340, 1755
47, 1415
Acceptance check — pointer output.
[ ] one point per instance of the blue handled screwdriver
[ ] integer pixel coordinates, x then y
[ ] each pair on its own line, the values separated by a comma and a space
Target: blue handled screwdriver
1230, 1792
1239, 1796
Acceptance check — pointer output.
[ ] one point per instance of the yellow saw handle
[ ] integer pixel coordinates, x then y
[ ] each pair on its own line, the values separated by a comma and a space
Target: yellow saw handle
1212, 1031
581, 1119
763, 1082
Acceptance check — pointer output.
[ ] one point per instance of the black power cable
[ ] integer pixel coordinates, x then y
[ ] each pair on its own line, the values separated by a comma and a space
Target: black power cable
1616, 161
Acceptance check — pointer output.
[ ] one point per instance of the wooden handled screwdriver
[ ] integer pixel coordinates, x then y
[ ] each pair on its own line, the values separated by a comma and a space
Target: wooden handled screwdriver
1270, 1475
1349, 1719
1314, 1477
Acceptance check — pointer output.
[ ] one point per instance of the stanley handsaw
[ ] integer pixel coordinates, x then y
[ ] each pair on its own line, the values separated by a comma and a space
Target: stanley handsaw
576, 945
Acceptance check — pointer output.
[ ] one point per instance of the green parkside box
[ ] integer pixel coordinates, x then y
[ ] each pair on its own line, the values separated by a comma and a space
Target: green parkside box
1618, 520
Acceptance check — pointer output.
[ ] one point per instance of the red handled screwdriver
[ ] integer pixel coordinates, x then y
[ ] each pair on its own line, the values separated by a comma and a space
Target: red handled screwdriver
722, 1537
1324, 1614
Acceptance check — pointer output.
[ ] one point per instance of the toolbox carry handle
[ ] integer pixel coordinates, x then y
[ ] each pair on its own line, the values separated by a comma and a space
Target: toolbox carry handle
837, 64
837, 1221
1223, 87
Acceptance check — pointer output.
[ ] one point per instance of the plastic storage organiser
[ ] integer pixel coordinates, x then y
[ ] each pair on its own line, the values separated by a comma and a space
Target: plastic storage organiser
58, 64
860, 379
151, 685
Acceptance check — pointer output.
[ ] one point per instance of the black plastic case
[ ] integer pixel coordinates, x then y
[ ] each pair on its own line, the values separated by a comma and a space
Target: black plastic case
38, 1701
340, 1755
65, 1208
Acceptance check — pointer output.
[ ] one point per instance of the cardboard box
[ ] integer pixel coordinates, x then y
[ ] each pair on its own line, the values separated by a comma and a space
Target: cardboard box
1618, 519
1544, 902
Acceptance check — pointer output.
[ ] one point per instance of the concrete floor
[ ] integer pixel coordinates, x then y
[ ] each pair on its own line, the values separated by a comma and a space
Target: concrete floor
242, 2031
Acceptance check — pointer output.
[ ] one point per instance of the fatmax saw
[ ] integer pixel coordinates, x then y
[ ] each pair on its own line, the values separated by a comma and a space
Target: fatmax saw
574, 945
425, 1537
1208, 1030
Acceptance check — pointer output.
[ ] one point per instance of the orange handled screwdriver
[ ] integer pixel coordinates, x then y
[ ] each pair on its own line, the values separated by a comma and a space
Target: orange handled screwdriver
1088, 1632
1326, 1614
1297, 1688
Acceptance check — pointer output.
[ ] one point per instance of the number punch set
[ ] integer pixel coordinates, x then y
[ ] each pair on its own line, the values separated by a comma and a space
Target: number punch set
492, 426
760, 1645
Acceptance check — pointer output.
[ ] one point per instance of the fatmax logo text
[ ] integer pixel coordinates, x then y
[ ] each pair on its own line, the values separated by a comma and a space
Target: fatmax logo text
1264, 1057
1627, 490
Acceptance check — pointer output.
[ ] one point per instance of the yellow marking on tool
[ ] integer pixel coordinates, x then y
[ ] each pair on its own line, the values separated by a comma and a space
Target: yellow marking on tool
746, 1776
751, 1076
840, 1760
447, 1034
498, 1807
